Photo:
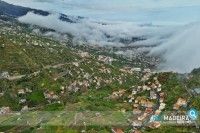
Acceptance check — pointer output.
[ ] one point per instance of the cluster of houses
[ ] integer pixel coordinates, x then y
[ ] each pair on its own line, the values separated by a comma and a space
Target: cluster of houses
51, 96
117, 130
23, 91
140, 56
8, 30
144, 109
124, 52
131, 70
78, 85
181, 102
83, 54
105, 70
85, 78
16, 31
106, 59
138, 70
118, 94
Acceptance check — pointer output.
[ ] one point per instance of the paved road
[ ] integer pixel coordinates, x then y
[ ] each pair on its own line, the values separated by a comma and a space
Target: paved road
35, 73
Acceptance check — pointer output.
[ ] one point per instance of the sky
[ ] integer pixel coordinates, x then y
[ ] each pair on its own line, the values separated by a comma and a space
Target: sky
157, 12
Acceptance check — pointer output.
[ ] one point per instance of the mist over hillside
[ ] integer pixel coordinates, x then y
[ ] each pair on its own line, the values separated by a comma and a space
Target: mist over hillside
178, 46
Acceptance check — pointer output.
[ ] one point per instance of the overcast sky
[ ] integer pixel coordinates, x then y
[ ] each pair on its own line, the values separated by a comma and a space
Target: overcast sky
155, 11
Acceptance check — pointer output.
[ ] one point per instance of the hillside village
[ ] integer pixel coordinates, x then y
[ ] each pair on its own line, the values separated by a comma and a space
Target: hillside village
37, 73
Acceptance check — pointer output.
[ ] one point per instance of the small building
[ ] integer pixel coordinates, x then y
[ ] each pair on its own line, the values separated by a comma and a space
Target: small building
148, 110
123, 111
134, 92
116, 130
136, 101
108, 60
135, 105
136, 111
4, 75
155, 125
22, 101
197, 91
83, 54
143, 102
162, 106
114, 95
76, 64
28, 90
137, 131
182, 102
55, 76
131, 96
147, 70
21, 91
162, 95
4, 110
153, 95
147, 104
176, 106
1, 94
136, 123
157, 112
144, 87
142, 117
122, 91
136, 69
159, 89
161, 100
25, 108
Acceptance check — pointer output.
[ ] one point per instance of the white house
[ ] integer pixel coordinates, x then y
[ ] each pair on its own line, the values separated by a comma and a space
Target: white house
136, 69
4, 75
137, 123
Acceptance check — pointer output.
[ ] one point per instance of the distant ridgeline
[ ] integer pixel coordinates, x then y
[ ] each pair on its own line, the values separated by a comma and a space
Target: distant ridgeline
196, 71
18, 11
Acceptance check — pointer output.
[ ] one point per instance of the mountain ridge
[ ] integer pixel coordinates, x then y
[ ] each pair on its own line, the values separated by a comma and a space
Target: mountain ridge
15, 11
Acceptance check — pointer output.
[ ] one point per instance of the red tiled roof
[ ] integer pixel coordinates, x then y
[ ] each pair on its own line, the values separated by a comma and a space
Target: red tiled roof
116, 130
148, 110
137, 131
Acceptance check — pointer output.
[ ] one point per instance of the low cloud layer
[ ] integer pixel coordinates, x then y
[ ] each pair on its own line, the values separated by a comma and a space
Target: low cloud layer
177, 46
181, 51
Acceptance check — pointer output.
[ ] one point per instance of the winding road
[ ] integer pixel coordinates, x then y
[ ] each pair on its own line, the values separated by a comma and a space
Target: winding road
35, 73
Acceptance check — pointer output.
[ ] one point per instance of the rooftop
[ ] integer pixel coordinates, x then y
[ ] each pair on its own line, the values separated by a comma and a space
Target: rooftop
197, 90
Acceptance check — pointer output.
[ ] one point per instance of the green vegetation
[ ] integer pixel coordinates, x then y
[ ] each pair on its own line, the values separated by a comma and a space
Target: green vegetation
171, 129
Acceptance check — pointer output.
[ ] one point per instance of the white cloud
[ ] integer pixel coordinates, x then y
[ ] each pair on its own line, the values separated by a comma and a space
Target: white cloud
94, 32
181, 51
178, 46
